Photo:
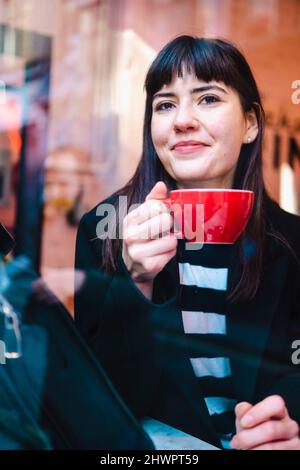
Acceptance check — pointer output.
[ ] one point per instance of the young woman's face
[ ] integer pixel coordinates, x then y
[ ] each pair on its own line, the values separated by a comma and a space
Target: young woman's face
198, 129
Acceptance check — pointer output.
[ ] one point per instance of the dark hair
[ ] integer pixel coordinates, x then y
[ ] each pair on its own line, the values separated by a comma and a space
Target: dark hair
208, 59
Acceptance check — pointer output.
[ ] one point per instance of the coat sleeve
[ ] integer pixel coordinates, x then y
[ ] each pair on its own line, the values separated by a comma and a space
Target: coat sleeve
119, 323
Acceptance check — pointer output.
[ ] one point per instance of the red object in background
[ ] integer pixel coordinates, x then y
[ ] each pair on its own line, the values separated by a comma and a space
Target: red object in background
10, 149
210, 215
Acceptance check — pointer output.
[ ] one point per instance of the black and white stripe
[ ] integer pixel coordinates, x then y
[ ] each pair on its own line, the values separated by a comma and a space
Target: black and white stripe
203, 278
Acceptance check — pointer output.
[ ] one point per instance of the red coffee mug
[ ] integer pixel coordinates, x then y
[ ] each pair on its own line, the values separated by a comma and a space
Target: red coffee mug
210, 215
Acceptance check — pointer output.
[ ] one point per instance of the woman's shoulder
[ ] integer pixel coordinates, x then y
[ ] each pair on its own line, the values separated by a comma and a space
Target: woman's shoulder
285, 223
281, 218
105, 208
110, 201
95, 226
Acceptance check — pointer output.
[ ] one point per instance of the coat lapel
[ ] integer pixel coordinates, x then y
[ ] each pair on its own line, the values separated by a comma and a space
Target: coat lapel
249, 324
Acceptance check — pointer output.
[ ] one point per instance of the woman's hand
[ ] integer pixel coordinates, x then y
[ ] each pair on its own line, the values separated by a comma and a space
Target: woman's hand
148, 245
265, 426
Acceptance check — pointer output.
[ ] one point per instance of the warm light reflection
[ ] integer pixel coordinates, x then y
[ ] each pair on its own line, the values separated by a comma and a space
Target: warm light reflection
288, 195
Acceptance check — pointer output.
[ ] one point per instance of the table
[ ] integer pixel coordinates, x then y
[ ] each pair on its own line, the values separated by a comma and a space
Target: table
166, 437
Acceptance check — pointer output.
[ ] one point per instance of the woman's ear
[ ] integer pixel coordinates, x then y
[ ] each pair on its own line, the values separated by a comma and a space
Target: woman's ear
251, 127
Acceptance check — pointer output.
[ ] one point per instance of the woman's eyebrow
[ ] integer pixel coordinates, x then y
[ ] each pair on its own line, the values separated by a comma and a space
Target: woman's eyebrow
193, 91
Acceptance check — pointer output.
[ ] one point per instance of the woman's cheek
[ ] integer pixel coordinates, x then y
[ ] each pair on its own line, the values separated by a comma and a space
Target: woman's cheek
159, 135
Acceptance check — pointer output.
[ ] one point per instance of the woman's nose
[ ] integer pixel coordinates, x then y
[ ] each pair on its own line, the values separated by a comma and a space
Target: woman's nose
186, 119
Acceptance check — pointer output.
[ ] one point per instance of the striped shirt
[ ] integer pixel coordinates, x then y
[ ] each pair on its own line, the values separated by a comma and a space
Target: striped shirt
203, 279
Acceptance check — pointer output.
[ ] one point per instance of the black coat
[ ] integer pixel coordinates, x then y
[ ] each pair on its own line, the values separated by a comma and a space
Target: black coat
56, 396
141, 343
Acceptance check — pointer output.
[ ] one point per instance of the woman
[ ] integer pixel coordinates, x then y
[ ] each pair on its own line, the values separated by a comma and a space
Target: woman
214, 375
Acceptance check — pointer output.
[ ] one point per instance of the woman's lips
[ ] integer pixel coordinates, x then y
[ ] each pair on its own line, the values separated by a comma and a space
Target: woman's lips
188, 148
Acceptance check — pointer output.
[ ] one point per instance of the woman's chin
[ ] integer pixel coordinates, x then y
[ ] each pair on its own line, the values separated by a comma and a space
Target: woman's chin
190, 183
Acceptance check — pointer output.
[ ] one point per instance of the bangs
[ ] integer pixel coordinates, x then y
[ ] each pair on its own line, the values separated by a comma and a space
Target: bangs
207, 59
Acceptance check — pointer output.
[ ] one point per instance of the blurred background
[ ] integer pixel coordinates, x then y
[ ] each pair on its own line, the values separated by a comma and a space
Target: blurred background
72, 103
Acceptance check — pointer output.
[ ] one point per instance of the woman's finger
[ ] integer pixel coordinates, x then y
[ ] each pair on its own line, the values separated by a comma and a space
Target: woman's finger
272, 430
150, 229
271, 407
141, 251
240, 410
291, 444
144, 212
159, 191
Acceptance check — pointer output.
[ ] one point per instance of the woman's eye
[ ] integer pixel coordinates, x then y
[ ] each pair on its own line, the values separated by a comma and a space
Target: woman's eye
163, 106
210, 99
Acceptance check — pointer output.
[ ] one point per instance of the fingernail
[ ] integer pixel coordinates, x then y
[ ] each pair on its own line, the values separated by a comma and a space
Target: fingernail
247, 420
239, 405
